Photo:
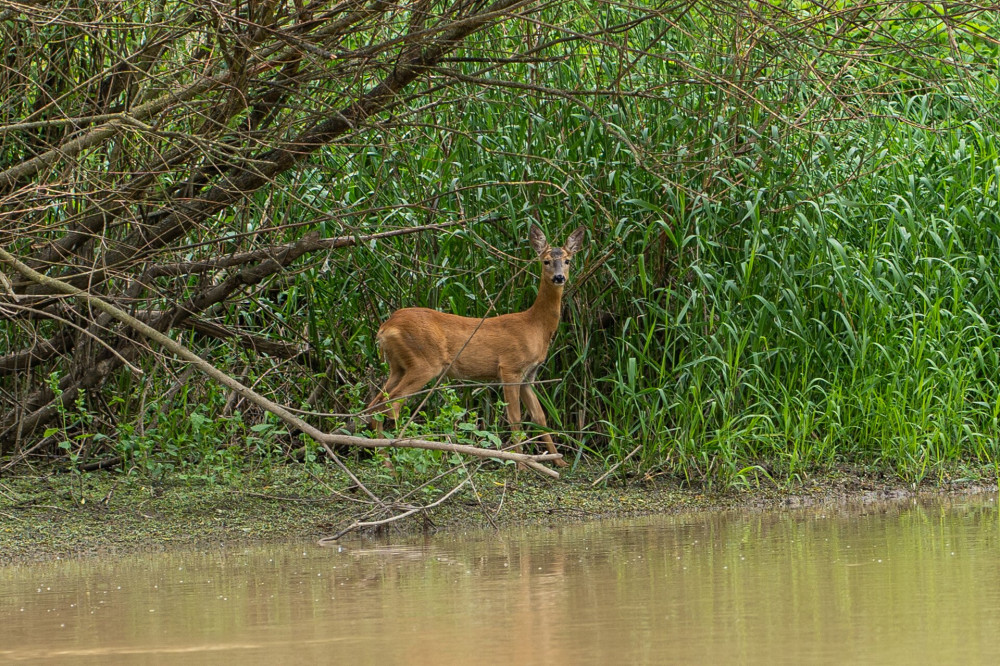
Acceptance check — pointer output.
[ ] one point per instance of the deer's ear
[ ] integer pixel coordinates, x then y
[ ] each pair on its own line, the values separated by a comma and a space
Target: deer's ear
537, 239
575, 241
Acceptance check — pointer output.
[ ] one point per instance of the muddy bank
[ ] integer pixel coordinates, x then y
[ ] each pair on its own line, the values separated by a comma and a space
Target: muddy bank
60, 515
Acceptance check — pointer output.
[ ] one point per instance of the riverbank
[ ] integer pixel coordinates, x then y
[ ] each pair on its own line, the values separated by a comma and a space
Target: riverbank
45, 516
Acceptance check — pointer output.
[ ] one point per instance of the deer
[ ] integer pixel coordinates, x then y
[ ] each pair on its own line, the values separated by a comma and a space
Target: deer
421, 345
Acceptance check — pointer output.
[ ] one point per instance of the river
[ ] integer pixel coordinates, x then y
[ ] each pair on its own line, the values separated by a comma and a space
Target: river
914, 581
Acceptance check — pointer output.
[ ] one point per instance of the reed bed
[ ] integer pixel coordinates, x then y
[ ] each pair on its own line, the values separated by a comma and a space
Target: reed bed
755, 301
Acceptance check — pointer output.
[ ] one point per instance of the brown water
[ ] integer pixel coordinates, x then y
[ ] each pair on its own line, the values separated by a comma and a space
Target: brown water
879, 584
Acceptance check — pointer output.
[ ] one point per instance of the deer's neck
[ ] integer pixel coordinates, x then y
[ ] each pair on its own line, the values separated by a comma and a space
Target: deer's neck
547, 306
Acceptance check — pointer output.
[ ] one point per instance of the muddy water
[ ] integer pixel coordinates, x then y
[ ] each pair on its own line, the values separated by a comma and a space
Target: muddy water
913, 582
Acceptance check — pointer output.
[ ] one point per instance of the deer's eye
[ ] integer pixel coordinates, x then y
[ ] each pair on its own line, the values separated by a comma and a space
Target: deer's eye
547, 262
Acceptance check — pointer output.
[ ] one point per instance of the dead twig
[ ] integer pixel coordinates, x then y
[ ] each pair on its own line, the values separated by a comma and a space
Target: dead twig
406, 514
616, 466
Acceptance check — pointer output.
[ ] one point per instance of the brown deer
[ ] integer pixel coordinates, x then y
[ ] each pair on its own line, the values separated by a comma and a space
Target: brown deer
421, 344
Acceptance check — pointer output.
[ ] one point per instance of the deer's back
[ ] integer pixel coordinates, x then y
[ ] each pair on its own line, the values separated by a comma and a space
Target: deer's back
478, 347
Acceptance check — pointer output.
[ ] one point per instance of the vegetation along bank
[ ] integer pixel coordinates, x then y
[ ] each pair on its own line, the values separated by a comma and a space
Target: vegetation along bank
791, 216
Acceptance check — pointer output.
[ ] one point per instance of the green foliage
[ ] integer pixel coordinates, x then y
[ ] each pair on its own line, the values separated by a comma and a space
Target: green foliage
188, 441
449, 422
765, 301
790, 267
75, 433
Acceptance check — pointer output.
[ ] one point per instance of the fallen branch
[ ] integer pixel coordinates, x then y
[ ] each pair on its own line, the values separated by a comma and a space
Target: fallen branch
250, 341
40, 412
40, 352
327, 440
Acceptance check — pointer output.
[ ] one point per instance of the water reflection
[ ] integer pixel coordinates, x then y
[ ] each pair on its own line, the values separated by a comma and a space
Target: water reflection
890, 583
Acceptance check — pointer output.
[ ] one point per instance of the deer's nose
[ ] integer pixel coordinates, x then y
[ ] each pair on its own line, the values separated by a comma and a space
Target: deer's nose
558, 279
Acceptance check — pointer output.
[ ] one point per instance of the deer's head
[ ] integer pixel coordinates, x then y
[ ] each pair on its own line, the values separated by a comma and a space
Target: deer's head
555, 260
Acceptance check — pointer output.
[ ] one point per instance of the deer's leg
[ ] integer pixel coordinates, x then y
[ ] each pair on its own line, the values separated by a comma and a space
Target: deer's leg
380, 403
414, 379
392, 382
538, 417
512, 396
401, 383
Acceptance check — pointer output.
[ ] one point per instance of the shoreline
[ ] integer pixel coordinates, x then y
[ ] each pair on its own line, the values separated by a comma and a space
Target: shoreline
108, 514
